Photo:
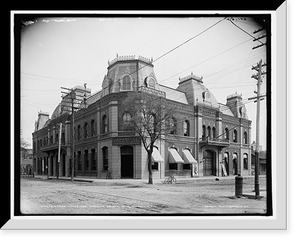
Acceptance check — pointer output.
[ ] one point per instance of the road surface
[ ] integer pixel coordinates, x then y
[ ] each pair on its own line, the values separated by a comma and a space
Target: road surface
208, 196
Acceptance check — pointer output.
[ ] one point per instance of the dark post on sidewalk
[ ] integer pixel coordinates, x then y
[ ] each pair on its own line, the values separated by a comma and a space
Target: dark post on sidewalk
238, 185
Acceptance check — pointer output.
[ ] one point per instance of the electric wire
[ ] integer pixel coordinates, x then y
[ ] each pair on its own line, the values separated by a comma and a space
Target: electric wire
188, 40
245, 31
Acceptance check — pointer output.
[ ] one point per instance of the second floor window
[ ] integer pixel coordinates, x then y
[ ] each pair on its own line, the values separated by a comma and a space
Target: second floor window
85, 130
93, 128
186, 128
104, 124
234, 136
78, 132
226, 133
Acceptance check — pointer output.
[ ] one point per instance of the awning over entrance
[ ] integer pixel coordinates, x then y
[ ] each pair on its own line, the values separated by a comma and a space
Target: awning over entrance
156, 157
174, 157
188, 157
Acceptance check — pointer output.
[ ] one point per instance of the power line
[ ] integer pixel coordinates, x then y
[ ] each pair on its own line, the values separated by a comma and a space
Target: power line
245, 31
206, 60
156, 35
188, 40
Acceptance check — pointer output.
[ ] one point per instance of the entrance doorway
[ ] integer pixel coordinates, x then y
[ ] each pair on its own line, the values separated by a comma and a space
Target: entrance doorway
63, 164
208, 163
126, 162
51, 165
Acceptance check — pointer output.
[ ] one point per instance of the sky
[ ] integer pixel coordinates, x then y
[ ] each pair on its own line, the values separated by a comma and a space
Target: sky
65, 52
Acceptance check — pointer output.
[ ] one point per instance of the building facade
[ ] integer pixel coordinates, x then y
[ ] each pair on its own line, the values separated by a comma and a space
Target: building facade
208, 139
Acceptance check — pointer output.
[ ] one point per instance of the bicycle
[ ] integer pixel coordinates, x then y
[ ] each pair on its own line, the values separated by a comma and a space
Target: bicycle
170, 179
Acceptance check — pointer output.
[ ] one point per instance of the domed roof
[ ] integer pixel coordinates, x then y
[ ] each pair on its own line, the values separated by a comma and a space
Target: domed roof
196, 92
57, 112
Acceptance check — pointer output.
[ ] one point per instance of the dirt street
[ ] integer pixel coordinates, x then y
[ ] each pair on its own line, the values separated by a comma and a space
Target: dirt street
206, 196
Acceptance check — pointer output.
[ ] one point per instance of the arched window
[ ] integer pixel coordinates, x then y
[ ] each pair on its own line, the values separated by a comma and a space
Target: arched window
93, 128
209, 132
79, 162
226, 133
186, 128
151, 83
173, 125
245, 138
105, 158
126, 119
94, 159
104, 124
86, 160
234, 136
214, 132
203, 133
85, 130
78, 132
126, 83
245, 161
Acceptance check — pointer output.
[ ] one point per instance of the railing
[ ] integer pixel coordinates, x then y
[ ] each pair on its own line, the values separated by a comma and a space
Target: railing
152, 91
215, 141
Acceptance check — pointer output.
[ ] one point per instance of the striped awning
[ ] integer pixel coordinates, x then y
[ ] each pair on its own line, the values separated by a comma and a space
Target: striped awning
174, 157
188, 157
156, 157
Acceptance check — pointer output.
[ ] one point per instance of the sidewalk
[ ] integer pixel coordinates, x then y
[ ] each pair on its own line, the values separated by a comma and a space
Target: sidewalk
159, 180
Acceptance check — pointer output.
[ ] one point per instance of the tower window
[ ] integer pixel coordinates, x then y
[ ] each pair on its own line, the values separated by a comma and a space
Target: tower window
126, 83
245, 138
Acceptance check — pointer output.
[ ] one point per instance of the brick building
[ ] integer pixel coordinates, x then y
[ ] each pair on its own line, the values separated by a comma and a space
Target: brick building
209, 138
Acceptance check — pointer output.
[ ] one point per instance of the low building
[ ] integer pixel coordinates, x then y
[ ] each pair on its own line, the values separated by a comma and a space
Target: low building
209, 138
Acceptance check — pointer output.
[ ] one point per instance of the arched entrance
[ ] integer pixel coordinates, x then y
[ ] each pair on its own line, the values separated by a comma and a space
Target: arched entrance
234, 164
208, 163
226, 162
51, 165
126, 162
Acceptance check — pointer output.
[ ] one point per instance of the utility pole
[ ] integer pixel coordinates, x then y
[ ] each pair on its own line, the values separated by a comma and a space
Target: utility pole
68, 100
69, 97
259, 38
59, 148
258, 98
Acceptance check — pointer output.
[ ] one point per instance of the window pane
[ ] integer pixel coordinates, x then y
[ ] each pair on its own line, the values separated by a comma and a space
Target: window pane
126, 83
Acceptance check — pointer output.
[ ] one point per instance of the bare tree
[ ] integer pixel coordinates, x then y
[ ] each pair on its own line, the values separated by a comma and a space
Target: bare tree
24, 146
150, 118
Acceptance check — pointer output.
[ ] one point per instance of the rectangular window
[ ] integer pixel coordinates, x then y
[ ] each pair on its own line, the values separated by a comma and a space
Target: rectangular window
154, 165
173, 166
186, 166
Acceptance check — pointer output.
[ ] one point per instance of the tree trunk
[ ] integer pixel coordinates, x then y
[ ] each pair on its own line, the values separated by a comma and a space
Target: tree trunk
150, 180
